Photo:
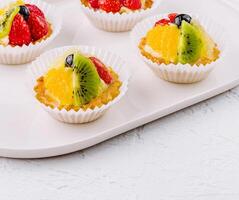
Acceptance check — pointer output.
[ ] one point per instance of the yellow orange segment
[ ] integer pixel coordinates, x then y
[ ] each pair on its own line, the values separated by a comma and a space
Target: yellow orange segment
164, 40
1, 13
59, 85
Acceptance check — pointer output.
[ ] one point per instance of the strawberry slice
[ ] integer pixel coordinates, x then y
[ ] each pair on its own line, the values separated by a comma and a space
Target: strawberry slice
132, 4
172, 17
162, 22
94, 4
20, 33
38, 26
110, 5
34, 9
102, 70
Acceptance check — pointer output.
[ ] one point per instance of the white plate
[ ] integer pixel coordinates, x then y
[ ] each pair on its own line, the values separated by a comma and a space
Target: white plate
26, 131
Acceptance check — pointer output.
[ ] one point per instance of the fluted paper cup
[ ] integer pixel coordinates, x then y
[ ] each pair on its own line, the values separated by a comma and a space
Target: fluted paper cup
25, 54
181, 73
116, 22
40, 66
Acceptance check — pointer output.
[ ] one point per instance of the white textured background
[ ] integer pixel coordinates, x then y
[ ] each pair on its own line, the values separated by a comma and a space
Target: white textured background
192, 154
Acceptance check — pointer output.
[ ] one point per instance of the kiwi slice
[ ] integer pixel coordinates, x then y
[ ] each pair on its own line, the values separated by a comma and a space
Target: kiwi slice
7, 19
86, 81
190, 44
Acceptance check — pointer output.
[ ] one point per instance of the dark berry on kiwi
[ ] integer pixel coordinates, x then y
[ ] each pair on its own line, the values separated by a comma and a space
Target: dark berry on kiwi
24, 11
179, 18
187, 18
69, 60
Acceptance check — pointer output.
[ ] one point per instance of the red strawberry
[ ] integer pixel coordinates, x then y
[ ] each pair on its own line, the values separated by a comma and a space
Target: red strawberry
162, 22
35, 9
172, 17
94, 3
110, 5
132, 4
102, 70
20, 33
38, 26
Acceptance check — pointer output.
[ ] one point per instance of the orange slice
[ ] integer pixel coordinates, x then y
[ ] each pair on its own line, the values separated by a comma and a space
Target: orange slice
59, 85
164, 40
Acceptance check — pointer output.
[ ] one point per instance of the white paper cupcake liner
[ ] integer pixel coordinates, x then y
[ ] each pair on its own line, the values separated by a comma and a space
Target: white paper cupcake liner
40, 66
25, 54
116, 22
181, 73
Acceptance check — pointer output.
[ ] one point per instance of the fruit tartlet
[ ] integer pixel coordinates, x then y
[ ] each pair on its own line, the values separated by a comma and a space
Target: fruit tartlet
24, 30
177, 47
23, 24
78, 86
118, 15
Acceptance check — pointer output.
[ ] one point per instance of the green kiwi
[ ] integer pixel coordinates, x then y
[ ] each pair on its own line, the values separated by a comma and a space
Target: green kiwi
86, 81
190, 44
6, 20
